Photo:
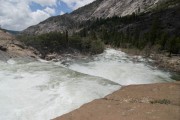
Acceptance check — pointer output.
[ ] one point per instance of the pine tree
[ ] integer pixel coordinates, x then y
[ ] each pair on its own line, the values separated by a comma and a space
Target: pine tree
67, 38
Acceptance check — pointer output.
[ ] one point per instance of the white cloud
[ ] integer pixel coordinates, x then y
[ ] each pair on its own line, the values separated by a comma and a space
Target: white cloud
74, 4
50, 10
45, 2
17, 14
61, 13
37, 16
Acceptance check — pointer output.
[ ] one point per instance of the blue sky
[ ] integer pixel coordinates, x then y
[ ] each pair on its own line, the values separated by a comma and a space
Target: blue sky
60, 7
20, 14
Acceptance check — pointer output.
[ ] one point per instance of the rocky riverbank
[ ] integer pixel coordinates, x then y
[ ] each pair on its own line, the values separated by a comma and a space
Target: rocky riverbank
12, 48
135, 102
161, 60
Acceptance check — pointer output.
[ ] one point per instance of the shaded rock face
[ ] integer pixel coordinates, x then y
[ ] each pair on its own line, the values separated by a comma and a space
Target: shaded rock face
10, 47
97, 9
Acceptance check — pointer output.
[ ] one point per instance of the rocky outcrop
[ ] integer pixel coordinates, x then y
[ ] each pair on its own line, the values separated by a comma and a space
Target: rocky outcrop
136, 102
97, 9
10, 47
168, 63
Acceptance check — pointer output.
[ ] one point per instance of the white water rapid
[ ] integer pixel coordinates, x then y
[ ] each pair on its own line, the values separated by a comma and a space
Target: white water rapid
41, 90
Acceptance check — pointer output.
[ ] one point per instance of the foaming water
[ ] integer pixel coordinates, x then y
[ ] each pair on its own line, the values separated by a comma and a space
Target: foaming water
42, 90
120, 68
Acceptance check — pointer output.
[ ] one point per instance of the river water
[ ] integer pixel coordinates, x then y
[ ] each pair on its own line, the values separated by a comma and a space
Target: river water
42, 90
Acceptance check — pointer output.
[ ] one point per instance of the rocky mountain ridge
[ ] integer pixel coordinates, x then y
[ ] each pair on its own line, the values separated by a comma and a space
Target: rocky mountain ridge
96, 9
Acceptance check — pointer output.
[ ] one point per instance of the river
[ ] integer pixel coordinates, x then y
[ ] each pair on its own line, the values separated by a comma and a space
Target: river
42, 90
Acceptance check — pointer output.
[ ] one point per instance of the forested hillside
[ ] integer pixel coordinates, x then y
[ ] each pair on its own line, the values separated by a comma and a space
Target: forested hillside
96, 9
157, 29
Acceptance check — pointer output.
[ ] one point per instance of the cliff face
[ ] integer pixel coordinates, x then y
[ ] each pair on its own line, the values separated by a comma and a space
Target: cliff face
97, 9
110, 8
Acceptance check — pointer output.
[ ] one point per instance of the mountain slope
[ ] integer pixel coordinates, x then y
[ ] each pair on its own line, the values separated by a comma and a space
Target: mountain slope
97, 9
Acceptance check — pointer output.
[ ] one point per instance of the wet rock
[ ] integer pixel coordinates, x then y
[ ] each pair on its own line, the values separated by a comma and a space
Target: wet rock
3, 48
51, 56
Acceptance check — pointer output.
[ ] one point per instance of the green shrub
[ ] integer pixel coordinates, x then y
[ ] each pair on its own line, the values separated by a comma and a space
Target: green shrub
75, 42
97, 47
55, 42
162, 101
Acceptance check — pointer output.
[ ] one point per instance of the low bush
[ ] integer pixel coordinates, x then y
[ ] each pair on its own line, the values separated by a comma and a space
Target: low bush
162, 101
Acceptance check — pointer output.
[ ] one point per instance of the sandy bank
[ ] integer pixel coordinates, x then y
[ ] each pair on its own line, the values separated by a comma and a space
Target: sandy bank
136, 102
